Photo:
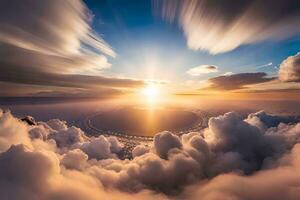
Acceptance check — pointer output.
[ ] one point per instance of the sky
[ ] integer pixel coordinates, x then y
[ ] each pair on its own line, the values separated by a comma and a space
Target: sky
110, 47
134, 31
148, 47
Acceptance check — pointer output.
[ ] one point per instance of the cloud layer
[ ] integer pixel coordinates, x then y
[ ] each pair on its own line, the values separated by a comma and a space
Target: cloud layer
219, 27
50, 160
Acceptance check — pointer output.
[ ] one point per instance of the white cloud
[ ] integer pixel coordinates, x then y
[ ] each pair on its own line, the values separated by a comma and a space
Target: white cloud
290, 69
12, 131
219, 27
202, 69
228, 73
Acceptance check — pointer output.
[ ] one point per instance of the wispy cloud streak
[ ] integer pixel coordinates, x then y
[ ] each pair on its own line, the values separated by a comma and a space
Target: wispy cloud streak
221, 26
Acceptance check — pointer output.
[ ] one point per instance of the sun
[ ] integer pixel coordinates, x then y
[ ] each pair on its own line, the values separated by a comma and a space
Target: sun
150, 93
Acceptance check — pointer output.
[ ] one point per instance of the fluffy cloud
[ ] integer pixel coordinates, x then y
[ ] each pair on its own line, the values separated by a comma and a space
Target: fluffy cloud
219, 27
277, 183
101, 147
37, 175
30, 170
75, 159
12, 131
25, 174
139, 150
290, 69
164, 142
237, 81
202, 69
259, 151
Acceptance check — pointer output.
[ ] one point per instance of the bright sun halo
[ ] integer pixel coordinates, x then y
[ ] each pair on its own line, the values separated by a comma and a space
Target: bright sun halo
150, 92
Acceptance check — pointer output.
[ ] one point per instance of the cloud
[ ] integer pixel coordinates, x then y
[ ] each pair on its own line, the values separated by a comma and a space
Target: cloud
107, 88
165, 141
139, 150
13, 133
100, 147
277, 91
34, 42
66, 80
278, 183
230, 144
237, 81
75, 159
289, 70
49, 181
265, 65
219, 27
52, 27
269, 67
78, 93
232, 153
24, 182
53, 46
202, 69
228, 73
264, 121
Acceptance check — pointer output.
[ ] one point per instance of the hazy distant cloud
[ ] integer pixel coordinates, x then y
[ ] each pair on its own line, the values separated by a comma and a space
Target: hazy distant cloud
221, 26
237, 81
202, 69
290, 69
78, 93
64, 80
283, 90
19, 76
60, 93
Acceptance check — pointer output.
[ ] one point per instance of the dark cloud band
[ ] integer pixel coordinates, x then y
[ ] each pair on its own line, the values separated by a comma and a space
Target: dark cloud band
238, 81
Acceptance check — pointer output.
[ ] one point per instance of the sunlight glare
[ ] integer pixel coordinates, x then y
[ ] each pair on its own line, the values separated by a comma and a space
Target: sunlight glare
151, 93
